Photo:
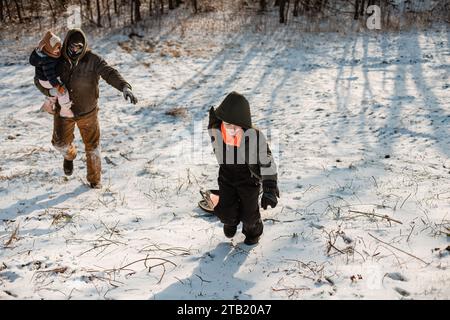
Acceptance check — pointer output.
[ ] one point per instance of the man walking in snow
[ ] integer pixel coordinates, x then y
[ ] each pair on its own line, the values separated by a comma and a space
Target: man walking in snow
80, 70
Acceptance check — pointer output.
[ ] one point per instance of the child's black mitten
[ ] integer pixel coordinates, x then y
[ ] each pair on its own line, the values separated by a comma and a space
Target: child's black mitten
270, 194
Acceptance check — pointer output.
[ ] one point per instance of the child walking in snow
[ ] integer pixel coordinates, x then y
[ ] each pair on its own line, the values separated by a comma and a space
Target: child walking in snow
45, 60
245, 160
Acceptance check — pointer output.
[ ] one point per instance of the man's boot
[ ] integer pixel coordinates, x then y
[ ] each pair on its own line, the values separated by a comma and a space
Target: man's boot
68, 167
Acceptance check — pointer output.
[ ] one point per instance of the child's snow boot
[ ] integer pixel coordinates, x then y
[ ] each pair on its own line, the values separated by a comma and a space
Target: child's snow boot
229, 230
253, 233
65, 111
49, 105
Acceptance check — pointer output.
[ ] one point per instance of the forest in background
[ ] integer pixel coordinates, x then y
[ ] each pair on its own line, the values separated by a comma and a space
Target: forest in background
310, 15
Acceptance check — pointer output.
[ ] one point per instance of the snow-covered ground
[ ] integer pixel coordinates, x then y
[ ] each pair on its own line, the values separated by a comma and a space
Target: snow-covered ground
360, 125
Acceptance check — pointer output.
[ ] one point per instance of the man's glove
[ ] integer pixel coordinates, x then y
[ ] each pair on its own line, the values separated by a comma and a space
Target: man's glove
127, 93
270, 194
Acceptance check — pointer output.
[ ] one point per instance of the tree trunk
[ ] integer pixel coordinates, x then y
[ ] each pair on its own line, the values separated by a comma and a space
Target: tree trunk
53, 12
115, 7
18, 11
1, 11
89, 8
8, 10
171, 7
137, 10
356, 15
322, 4
38, 14
194, 4
296, 8
150, 7
24, 12
262, 5
131, 11
282, 4
118, 8
362, 9
108, 14
99, 15
34, 11
81, 11
161, 3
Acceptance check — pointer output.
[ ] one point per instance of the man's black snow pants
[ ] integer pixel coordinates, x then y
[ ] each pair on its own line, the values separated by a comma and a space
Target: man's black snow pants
238, 200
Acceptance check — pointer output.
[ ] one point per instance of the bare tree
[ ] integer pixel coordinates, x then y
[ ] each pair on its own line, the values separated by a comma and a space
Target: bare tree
19, 15
52, 11
21, 11
131, 12
296, 8
262, 5
282, 5
108, 14
36, 7
356, 15
99, 15
89, 10
8, 10
1, 11
137, 10
362, 10
313, 7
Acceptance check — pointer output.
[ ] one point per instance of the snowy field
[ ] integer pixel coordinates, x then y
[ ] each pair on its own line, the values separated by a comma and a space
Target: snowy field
360, 125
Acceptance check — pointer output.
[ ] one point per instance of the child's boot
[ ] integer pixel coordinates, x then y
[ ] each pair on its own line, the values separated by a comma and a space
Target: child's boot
253, 233
229, 230
65, 103
65, 110
49, 105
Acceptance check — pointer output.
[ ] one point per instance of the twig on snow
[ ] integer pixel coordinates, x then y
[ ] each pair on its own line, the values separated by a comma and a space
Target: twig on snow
405, 200
407, 253
14, 236
376, 215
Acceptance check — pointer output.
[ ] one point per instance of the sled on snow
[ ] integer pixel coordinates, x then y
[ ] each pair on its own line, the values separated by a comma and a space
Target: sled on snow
206, 204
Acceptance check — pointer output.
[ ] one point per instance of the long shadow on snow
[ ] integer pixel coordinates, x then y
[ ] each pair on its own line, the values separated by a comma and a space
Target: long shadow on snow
28, 206
213, 278
440, 118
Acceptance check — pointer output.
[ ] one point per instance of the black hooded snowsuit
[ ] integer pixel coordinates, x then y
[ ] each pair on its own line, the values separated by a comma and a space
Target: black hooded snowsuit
45, 67
241, 168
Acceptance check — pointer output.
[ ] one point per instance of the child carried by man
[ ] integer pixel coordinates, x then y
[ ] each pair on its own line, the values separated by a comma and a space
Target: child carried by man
45, 59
